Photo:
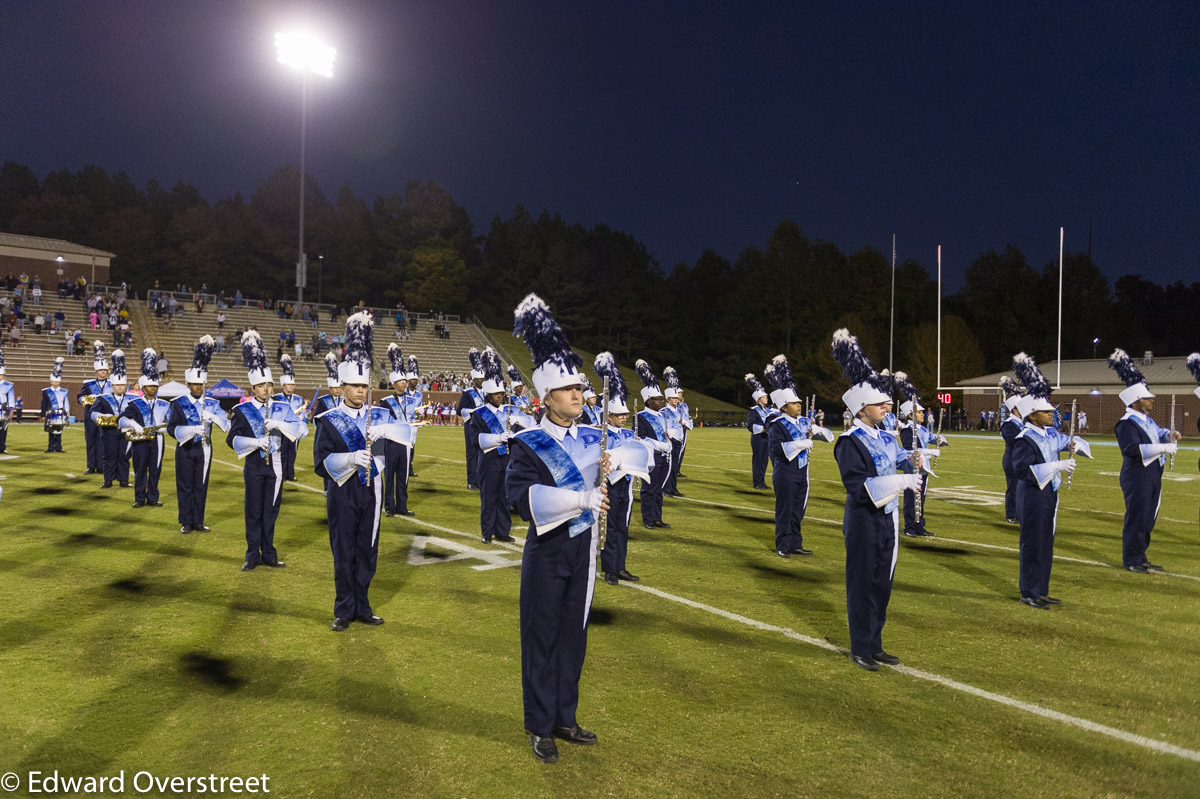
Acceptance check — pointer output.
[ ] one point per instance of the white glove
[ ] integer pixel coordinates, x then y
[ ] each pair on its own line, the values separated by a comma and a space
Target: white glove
264, 443
272, 424
1067, 466
508, 435
361, 458
135, 427
208, 416
912, 482
942, 441
662, 446
1166, 449
591, 500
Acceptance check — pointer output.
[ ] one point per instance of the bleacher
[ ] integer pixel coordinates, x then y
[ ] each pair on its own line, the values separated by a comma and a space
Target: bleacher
34, 357
434, 354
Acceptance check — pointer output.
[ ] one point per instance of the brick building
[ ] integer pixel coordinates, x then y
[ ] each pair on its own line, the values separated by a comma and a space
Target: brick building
52, 260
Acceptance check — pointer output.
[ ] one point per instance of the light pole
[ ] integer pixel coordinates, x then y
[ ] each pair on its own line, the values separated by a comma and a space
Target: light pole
320, 274
1095, 341
306, 53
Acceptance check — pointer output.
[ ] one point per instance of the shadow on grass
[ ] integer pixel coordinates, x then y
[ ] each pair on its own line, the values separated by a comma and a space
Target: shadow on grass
47, 490
937, 550
210, 670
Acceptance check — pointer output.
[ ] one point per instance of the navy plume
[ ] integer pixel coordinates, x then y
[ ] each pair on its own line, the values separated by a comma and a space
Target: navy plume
285, 363
779, 374
331, 365
514, 375
150, 363
360, 339
545, 339
752, 383
646, 374
905, 387
413, 368
671, 376
1036, 385
1009, 386
1, 359
118, 364
492, 368
850, 356
885, 382
1193, 362
97, 350
56, 372
1126, 369
254, 354
474, 357
606, 366
395, 357
587, 384
202, 352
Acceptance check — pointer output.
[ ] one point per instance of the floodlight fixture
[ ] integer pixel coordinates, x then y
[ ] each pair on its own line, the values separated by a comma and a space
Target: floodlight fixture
305, 52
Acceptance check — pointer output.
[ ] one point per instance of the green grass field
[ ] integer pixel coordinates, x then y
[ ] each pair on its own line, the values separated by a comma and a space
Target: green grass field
127, 646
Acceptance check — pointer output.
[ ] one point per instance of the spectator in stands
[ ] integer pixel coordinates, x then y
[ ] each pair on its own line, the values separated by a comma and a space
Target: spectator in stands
94, 319
291, 338
333, 313
14, 336
4, 302
126, 335
163, 367
172, 305
78, 342
37, 293
237, 298
70, 343
220, 318
219, 340
198, 300
39, 322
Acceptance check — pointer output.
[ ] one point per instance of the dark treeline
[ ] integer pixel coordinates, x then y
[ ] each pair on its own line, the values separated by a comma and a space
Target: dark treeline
714, 320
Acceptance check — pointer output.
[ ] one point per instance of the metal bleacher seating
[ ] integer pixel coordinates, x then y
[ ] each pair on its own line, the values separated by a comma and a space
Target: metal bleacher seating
33, 358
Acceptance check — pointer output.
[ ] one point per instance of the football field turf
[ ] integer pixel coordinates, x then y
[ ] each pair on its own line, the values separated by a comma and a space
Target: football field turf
127, 646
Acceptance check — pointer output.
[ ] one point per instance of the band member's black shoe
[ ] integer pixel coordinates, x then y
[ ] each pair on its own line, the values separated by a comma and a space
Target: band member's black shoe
783, 553
389, 513
866, 664
405, 513
275, 564
508, 539
249, 567
1152, 567
611, 578
201, 528
185, 528
575, 735
1049, 600
371, 621
107, 485
884, 657
544, 748
155, 504
139, 504
625, 575
1035, 602
800, 551
662, 524
339, 625
1140, 568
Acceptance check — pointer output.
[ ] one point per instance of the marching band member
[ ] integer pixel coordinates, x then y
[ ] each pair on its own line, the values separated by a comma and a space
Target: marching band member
492, 425
327, 402
255, 431
685, 418
412, 400
190, 423
467, 403
756, 423
105, 414
789, 438
140, 415
519, 397
914, 435
652, 427
8, 402
1144, 447
347, 453
620, 481
1039, 472
287, 452
93, 441
55, 404
396, 455
673, 418
591, 413
888, 386
869, 458
553, 474
1193, 364
1011, 427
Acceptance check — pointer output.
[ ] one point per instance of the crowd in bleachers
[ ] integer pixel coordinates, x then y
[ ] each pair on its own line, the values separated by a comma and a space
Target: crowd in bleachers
23, 312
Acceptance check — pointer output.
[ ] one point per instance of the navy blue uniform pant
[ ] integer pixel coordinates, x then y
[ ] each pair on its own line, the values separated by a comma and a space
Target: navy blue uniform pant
759, 456
676, 459
1038, 509
913, 525
287, 455
871, 550
616, 539
192, 464
494, 516
1010, 487
116, 456
791, 500
652, 490
92, 440
1143, 495
146, 469
557, 578
264, 492
54, 443
354, 538
396, 470
472, 457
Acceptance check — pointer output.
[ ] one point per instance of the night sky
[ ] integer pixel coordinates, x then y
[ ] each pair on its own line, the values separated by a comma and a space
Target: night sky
689, 125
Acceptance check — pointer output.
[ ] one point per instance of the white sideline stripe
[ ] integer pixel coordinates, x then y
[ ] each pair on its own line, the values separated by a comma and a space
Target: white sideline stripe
1153, 744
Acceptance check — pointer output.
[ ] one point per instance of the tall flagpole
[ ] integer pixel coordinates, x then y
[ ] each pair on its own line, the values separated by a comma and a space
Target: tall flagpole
939, 317
1058, 383
892, 331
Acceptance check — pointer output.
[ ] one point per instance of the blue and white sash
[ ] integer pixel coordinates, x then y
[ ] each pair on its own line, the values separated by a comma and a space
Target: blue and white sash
494, 426
656, 425
1152, 431
562, 469
798, 430
884, 460
257, 424
355, 440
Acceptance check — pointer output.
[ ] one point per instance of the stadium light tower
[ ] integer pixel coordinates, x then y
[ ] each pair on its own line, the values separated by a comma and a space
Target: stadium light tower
306, 53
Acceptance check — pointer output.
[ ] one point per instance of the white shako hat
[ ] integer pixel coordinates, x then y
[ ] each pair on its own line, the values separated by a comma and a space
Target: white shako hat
355, 368
912, 399
649, 380
149, 368
201, 355
57, 370
555, 365
288, 378
254, 358
1037, 387
605, 365
672, 379
413, 369
783, 384
117, 376
396, 360
1193, 365
756, 389
99, 361
493, 372
331, 370
1012, 393
1126, 369
865, 383
514, 376
476, 364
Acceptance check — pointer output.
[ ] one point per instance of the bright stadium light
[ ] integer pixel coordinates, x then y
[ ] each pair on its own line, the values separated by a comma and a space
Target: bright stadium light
305, 52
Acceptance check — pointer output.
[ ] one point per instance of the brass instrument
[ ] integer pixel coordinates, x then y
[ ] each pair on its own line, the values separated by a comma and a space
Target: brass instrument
88, 399
148, 433
107, 420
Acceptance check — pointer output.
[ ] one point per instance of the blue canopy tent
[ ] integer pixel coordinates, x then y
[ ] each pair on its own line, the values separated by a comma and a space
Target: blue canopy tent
227, 392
